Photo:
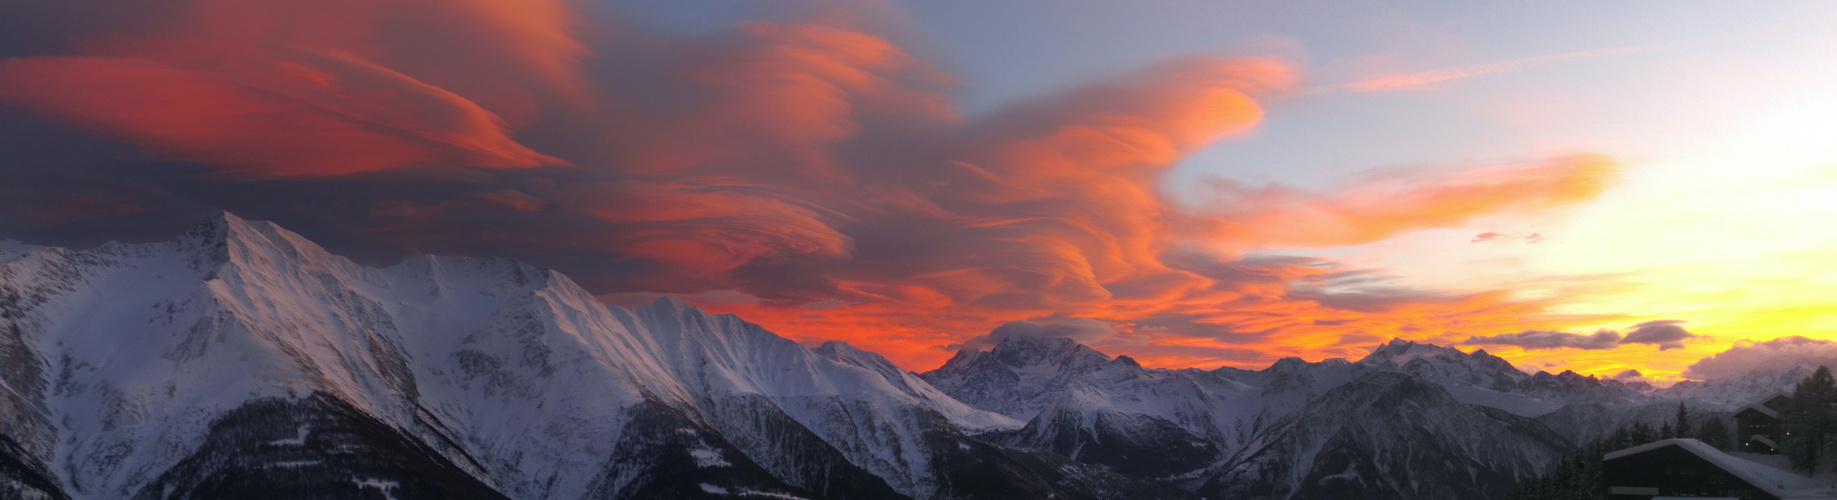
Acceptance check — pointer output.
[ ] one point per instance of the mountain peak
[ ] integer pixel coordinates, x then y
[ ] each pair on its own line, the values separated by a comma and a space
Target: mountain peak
1290, 363
1399, 352
848, 353
1027, 350
838, 346
1028, 341
221, 227
10, 249
668, 303
671, 307
1128, 361
226, 234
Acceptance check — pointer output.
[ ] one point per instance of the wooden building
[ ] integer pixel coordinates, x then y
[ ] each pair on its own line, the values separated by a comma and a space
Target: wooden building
1757, 426
1687, 468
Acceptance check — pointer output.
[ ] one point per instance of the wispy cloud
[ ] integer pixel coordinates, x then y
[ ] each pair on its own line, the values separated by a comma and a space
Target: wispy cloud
1428, 79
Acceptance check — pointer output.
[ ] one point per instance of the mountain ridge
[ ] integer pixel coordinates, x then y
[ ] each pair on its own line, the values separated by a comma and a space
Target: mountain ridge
239, 350
484, 367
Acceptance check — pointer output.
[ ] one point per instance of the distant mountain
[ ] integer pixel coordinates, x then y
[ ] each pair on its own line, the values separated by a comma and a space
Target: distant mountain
1192, 427
1732, 393
1020, 375
1388, 435
1162, 424
1182, 426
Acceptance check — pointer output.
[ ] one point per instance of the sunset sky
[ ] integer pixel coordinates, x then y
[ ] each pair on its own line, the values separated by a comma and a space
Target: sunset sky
1596, 186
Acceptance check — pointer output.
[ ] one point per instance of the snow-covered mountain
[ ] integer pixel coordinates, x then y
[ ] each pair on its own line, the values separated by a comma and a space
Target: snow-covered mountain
1162, 424
242, 360
1729, 394
1183, 426
1389, 435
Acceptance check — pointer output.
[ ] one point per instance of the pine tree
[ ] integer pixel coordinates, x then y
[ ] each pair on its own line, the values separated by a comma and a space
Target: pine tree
1664, 432
1715, 432
1682, 427
1810, 420
1640, 434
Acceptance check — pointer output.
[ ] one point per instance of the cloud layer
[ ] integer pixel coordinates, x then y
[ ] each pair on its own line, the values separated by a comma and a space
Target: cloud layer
809, 175
1767, 357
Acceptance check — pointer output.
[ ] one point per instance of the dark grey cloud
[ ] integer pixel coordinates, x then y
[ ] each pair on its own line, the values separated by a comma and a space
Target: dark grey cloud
1377, 299
1545, 339
1666, 334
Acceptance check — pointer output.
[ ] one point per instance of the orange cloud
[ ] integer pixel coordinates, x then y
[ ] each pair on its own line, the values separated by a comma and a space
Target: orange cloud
779, 197
782, 96
1382, 206
811, 177
317, 115
697, 230
1431, 78
294, 89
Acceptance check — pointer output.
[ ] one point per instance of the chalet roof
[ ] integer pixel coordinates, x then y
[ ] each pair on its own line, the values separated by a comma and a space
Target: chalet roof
1766, 441
1777, 482
1763, 409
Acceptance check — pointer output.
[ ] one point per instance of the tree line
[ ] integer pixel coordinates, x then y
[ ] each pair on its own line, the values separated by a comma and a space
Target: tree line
1809, 426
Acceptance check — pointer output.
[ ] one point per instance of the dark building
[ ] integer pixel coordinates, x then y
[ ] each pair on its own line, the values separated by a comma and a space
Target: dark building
1757, 426
1690, 469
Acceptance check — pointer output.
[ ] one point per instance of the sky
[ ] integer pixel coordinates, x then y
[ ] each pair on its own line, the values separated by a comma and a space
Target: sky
1592, 186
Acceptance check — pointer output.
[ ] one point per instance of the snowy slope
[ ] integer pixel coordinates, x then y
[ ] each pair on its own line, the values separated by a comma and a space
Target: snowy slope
1445, 365
11, 249
241, 350
1388, 435
750, 382
1174, 425
151, 341
1162, 424
965, 417
1016, 377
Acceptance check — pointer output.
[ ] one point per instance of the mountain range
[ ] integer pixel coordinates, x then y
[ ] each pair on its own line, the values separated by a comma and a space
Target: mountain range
241, 360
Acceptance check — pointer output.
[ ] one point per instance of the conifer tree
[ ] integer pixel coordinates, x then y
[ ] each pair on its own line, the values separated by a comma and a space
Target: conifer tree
1715, 432
1810, 420
1640, 434
1682, 427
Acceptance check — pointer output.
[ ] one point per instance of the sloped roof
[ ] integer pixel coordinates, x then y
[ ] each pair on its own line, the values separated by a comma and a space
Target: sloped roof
1759, 408
1774, 481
